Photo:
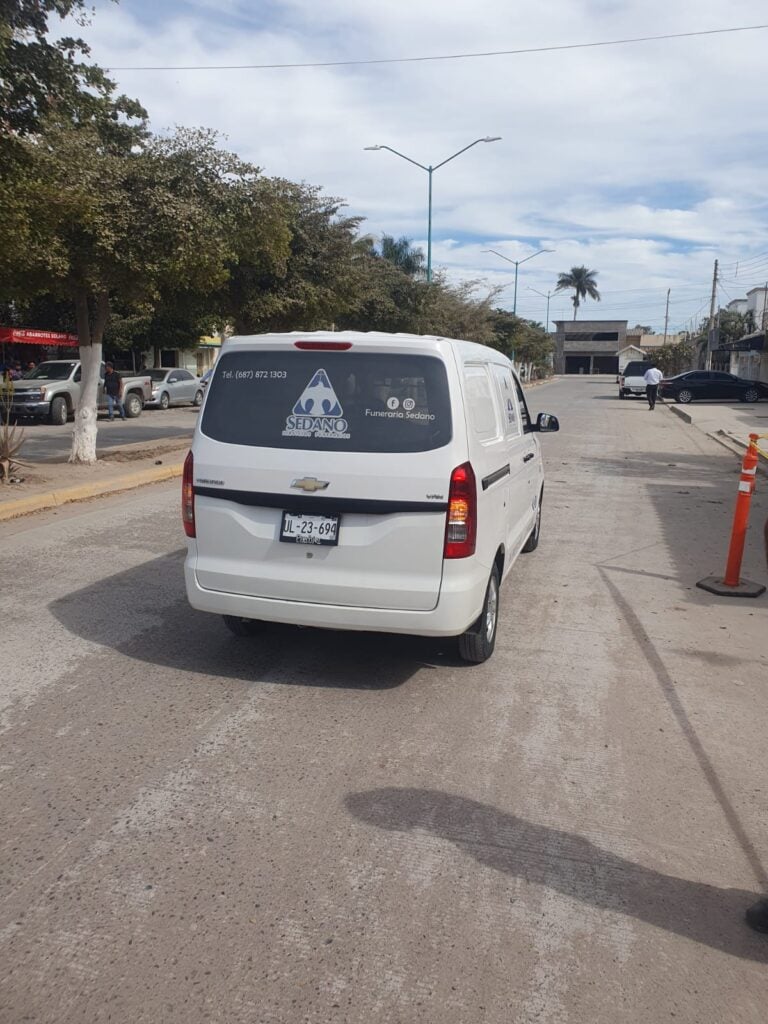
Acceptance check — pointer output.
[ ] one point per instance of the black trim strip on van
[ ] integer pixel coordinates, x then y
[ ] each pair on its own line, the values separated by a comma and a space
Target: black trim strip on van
320, 505
498, 475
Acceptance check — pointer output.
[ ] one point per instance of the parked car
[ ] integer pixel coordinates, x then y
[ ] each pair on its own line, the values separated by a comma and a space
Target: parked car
174, 387
51, 391
710, 385
362, 481
631, 379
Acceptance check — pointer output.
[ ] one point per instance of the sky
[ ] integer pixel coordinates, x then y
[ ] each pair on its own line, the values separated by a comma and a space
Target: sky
644, 162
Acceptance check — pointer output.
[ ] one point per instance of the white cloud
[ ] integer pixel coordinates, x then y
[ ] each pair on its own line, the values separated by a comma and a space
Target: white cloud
642, 161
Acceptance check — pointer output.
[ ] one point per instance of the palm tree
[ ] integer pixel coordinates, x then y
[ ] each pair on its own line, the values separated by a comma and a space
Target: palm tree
583, 283
403, 255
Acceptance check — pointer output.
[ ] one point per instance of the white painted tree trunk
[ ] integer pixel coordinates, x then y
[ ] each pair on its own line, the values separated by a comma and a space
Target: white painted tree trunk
84, 434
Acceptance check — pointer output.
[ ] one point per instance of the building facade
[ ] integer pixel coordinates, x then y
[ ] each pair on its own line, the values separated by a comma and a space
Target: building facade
589, 346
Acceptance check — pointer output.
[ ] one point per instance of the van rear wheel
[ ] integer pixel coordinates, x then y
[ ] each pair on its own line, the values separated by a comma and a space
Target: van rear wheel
477, 644
241, 627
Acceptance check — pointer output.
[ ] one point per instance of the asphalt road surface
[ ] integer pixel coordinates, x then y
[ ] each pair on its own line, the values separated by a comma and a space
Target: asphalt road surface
46, 443
313, 826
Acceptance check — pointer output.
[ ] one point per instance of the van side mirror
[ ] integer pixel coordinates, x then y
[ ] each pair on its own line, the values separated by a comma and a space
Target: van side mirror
547, 423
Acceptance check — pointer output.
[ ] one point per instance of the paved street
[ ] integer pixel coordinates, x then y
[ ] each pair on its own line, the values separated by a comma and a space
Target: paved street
44, 442
313, 826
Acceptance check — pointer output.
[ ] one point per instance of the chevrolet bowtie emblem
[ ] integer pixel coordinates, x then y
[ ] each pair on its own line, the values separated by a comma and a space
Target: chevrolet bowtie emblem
310, 483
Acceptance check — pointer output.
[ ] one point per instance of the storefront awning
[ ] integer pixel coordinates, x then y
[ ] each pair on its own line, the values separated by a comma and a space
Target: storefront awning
29, 336
751, 343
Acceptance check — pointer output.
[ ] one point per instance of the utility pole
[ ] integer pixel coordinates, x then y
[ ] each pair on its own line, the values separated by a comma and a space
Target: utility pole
711, 329
666, 318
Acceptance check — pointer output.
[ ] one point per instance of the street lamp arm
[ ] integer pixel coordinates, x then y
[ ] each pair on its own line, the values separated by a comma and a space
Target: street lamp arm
495, 253
535, 254
404, 157
486, 138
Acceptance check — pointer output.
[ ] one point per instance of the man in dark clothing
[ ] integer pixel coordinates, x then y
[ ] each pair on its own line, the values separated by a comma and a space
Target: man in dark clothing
113, 387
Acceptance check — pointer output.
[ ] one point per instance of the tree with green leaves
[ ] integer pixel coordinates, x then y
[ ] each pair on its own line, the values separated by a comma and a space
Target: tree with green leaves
43, 79
583, 284
677, 358
98, 222
524, 341
304, 279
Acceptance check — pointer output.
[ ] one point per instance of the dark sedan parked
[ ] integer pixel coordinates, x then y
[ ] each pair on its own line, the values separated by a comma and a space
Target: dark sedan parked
711, 384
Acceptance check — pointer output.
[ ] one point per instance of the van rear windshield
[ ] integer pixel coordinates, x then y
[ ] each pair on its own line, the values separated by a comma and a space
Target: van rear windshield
329, 401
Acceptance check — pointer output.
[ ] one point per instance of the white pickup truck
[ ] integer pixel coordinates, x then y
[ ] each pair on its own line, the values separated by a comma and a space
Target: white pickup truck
632, 379
51, 392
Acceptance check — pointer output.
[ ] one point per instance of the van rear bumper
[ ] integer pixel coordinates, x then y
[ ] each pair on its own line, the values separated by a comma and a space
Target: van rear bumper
461, 600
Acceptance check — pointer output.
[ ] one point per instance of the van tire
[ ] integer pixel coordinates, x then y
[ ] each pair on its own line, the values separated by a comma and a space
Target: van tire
241, 627
477, 644
533, 540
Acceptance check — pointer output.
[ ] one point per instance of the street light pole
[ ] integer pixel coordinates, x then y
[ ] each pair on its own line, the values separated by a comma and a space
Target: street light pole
517, 264
430, 169
547, 296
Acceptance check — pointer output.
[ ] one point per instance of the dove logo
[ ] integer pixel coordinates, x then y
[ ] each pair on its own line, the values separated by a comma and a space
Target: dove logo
318, 411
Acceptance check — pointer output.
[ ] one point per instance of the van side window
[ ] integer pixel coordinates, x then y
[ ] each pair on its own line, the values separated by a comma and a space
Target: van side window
482, 408
523, 407
506, 387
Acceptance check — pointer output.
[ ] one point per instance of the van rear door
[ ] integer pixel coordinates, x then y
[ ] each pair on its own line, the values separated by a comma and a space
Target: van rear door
322, 475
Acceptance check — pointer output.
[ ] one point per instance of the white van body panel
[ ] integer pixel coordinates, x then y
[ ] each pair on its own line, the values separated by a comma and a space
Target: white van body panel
387, 571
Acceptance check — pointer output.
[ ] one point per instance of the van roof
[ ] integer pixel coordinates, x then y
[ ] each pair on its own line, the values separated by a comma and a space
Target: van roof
423, 342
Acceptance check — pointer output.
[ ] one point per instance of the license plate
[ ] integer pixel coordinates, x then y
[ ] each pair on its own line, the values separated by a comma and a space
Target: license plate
297, 528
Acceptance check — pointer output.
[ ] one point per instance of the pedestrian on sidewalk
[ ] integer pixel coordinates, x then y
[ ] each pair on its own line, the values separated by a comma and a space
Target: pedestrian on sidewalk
113, 386
652, 376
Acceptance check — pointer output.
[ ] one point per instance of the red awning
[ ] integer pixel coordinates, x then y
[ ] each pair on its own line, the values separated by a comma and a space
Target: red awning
28, 336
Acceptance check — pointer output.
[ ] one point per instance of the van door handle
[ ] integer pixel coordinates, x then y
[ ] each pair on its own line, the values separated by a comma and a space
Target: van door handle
528, 457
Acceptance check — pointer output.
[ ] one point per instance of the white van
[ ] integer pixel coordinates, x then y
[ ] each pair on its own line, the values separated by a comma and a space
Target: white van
361, 481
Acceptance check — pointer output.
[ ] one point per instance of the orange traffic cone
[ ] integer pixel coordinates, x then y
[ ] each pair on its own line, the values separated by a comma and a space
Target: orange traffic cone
731, 585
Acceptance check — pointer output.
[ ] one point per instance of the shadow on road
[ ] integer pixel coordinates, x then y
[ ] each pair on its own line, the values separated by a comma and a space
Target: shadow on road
569, 864
195, 642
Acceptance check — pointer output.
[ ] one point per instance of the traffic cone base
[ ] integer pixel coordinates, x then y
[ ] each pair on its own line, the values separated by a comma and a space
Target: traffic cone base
744, 588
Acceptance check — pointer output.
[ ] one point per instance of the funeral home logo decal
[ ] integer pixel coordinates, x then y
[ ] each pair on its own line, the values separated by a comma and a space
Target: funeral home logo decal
318, 412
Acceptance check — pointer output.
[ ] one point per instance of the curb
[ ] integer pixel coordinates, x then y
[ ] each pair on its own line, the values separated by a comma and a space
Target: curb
679, 412
65, 495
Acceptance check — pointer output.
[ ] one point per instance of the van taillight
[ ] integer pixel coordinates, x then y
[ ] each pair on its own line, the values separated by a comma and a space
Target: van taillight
188, 497
461, 519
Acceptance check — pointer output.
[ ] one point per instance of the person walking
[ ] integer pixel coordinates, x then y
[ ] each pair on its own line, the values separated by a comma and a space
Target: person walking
652, 376
113, 387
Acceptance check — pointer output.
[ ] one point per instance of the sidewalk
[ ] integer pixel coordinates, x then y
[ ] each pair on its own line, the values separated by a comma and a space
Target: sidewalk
50, 484
729, 425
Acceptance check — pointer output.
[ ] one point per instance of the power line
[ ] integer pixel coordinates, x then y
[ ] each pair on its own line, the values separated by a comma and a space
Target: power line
445, 56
